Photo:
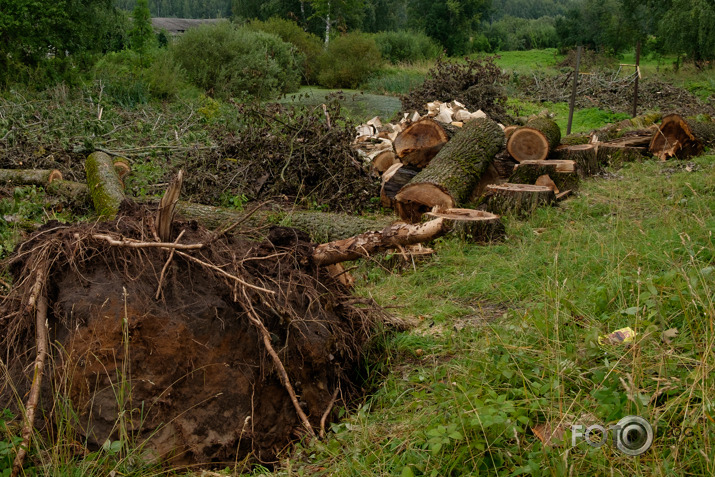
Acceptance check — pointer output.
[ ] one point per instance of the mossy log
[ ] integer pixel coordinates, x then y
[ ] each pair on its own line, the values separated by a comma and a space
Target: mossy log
321, 226
608, 154
562, 172
104, 184
477, 226
394, 179
584, 155
517, 199
75, 194
575, 139
452, 175
681, 138
38, 177
425, 134
535, 140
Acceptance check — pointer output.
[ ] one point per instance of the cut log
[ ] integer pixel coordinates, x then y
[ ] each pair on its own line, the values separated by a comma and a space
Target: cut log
677, 137
584, 155
546, 181
370, 243
452, 175
38, 177
75, 194
509, 130
104, 184
422, 134
633, 127
394, 179
504, 165
517, 199
490, 176
421, 157
535, 140
614, 155
382, 160
561, 172
470, 225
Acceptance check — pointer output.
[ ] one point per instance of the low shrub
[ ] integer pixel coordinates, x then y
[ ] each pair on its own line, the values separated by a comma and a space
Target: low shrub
307, 44
406, 46
229, 61
349, 60
121, 76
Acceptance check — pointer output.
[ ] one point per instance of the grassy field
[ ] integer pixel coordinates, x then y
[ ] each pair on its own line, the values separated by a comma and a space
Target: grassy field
507, 340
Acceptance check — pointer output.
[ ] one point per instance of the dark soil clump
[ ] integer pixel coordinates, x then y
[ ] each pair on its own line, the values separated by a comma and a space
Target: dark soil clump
203, 385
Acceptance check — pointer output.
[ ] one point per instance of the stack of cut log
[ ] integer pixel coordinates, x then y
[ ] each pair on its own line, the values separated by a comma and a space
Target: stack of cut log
451, 158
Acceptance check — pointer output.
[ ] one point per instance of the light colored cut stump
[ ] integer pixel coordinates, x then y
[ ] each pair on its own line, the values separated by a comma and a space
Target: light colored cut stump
516, 199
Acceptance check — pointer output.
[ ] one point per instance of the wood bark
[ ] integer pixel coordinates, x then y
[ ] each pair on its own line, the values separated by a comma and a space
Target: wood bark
535, 140
625, 127
452, 175
38, 177
584, 155
517, 199
575, 139
424, 134
470, 225
681, 138
104, 184
562, 173
393, 180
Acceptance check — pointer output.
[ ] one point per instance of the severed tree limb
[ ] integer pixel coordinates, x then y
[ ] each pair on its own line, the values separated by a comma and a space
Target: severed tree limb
366, 244
131, 243
253, 316
34, 397
167, 206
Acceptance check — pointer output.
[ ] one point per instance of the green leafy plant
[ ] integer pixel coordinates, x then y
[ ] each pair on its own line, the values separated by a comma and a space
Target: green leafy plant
348, 61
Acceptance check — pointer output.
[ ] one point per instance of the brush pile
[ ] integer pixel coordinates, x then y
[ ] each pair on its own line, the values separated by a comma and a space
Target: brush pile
205, 348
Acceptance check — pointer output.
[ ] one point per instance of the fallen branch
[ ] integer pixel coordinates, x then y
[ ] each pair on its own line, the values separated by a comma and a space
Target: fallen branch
131, 243
224, 273
327, 412
34, 397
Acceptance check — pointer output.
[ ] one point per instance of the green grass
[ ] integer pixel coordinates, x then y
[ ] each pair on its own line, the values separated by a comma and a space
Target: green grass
584, 120
525, 61
508, 339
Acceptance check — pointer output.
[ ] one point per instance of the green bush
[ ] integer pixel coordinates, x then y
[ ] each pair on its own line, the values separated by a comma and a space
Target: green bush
120, 74
349, 60
309, 45
234, 62
164, 77
406, 47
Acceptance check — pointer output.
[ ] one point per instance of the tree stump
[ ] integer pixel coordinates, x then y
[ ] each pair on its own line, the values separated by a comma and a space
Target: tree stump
452, 175
516, 199
562, 172
679, 138
584, 155
470, 225
535, 140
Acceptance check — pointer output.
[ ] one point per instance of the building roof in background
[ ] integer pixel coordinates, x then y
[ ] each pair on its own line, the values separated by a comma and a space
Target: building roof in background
179, 25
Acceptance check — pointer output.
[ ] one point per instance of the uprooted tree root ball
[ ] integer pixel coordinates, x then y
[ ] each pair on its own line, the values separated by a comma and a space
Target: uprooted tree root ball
206, 350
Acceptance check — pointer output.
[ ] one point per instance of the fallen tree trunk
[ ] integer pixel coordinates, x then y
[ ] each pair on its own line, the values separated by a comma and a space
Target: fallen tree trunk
383, 160
518, 199
369, 243
452, 175
562, 173
38, 177
421, 141
681, 138
584, 155
470, 225
628, 127
104, 184
535, 140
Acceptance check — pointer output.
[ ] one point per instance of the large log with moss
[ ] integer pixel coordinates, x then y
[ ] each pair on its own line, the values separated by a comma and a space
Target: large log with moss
562, 173
681, 138
517, 199
535, 140
452, 175
105, 186
615, 154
